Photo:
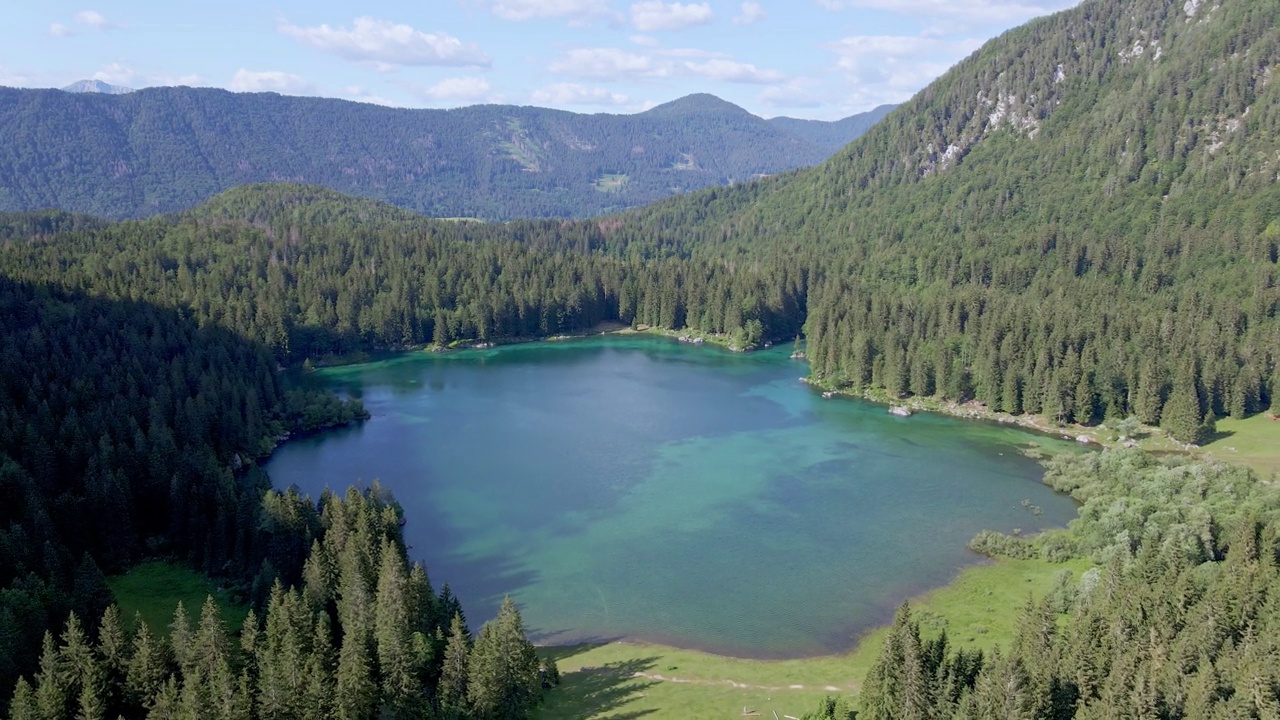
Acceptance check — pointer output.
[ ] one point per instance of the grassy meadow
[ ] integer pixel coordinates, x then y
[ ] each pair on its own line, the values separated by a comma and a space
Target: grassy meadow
622, 680
153, 590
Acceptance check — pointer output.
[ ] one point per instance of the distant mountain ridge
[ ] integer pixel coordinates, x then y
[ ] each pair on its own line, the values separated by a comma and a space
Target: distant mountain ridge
832, 134
96, 86
165, 149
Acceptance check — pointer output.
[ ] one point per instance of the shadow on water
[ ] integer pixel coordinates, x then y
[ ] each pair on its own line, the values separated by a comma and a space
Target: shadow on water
596, 691
482, 595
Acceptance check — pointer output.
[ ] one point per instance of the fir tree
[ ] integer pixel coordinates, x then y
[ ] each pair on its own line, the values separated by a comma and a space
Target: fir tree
1181, 417
451, 692
502, 674
147, 668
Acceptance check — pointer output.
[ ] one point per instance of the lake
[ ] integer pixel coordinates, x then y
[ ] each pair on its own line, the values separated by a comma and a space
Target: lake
636, 487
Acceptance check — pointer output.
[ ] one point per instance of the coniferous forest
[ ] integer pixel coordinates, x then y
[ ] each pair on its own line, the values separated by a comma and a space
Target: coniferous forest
166, 149
1062, 225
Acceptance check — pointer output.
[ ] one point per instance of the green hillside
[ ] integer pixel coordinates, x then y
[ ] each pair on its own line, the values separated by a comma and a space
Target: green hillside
1082, 220
832, 135
166, 149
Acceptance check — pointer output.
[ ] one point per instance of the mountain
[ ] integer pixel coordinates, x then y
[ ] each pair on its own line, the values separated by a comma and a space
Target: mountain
1079, 220
96, 86
832, 135
165, 149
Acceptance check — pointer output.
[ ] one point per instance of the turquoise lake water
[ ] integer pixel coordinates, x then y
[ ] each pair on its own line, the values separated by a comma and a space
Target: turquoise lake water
634, 487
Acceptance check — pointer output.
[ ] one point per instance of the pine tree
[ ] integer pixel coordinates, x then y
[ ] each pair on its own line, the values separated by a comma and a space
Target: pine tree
147, 668
401, 695
92, 595
1181, 416
357, 695
51, 682
250, 643
318, 578
318, 702
210, 646
451, 692
168, 702
180, 638
882, 690
502, 674
114, 651
24, 706
1149, 398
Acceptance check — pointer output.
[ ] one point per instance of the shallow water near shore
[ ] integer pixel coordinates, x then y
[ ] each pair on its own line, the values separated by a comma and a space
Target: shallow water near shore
635, 487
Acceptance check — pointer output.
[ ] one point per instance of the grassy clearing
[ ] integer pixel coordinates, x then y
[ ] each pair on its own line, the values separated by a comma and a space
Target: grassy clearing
153, 589
610, 183
1254, 441
632, 680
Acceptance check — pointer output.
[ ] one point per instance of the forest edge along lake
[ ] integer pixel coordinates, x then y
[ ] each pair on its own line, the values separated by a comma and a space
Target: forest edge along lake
632, 487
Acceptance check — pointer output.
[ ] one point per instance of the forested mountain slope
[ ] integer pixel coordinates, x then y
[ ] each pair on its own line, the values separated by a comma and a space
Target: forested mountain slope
1081, 218
832, 135
167, 149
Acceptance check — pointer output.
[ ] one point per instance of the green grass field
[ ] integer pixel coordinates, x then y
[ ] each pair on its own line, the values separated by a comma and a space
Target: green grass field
632, 680
153, 590
610, 183
1254, 441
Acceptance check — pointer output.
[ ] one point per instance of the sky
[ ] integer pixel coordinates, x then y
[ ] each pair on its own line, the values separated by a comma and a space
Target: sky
818, 59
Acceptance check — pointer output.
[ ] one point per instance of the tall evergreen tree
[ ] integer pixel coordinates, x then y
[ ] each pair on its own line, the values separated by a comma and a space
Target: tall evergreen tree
502, 674
452, 693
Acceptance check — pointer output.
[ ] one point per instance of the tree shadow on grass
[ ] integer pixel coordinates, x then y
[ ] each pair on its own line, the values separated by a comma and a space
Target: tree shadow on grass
1217, 435
599, 691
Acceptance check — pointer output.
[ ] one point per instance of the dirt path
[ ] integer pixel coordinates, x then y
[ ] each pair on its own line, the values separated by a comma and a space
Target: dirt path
735, 684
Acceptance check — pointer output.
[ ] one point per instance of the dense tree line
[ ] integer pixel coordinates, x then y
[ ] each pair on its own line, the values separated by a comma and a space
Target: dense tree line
1067, 257
307, 272
127, 431
121, 429
363, 635
168, 149
1078, 220
1180, 618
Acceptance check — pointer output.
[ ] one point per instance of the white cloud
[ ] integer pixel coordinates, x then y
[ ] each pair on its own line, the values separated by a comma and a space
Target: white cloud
1002, 11
467, 89
116, 74
645, 41
651, 15
93, 19
791, 95
85, 18
270, 81
610, 64
576, 11
732, 71
388, 45
690, 53
573, 94
751, 12
12, 78
891, 68
359, 94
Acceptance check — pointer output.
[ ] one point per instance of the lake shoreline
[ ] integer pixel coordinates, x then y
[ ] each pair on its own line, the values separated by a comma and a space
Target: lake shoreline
977, 609
1149, 437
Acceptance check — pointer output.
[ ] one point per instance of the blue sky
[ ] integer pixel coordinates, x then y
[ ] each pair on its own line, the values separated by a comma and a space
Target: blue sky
822, 59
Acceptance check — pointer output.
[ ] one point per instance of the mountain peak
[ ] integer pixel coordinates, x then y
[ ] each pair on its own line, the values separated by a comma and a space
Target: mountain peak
696, 104
96, 86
